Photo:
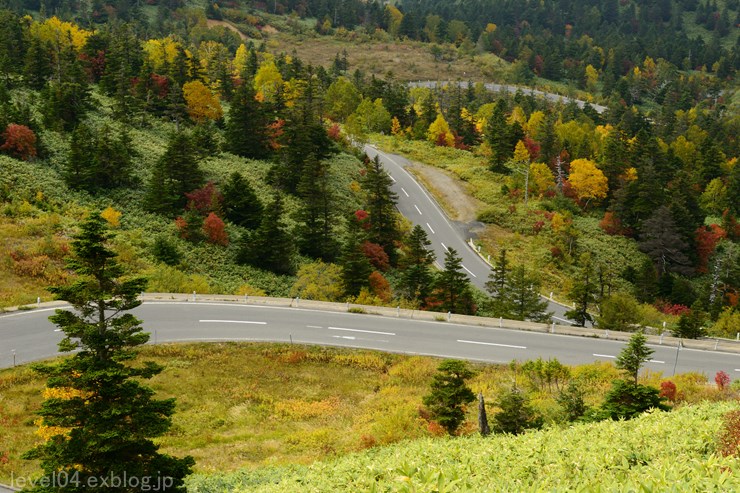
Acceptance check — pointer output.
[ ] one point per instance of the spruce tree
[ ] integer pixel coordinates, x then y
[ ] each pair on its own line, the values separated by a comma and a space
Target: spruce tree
583, 293
417, 276
315, 217
525, 300
516, 415
452, 289
107, 417
356, 268
634, 355
241, 205
497, 286
380, 203
246, 126
449, 393
270, 247
175, 173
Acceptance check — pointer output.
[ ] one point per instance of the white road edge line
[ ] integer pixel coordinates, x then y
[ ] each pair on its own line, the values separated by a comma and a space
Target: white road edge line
430, 229
469, 272
604, 356
561, 319
445, 247
405, 192
737, 369
436, 264
391, 177
231, 322
656, 361
351, 338
314, 327
418, 210
491, 344
364, 331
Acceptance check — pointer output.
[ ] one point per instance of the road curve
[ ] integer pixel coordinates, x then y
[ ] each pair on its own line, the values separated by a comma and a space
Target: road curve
415, 203
33, 337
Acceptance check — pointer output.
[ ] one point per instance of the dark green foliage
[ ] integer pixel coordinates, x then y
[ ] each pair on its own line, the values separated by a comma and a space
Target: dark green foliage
452, 291
448, 394
246, 127
65, 104
634, 355
316, 216
571, 401
356, 268
241, 205
691, 325
12, 45
380, 203
625, 400
583, 293
496, 285
661, 241
97, 161
523, 301
618, 312
516, 415
165, 250
499, 136
114, 417
417, 276
37, 69
174, 174
270, 247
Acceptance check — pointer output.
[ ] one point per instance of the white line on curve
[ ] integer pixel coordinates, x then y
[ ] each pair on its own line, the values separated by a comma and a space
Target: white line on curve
468, 271
491, 344
605, 356
417, 209
351, 338
365, 331
405, 192
430, 229
231, 322
656, 361
444, 246
440, 268
391, 177
314, 326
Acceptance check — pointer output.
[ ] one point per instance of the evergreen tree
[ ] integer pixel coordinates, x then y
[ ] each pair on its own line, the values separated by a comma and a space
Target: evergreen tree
449, 393
175, 173
524, 296
37, 68
516, 415
634, 355
417, 277
246, 127
97, 160
241, 205
661, 241
583, 293
107, 424
496, 286
452, 290
380, 203
270, 247
625, 400
356, 268
316, 215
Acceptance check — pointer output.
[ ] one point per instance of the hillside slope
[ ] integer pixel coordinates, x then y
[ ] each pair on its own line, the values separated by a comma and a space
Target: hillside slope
657, 452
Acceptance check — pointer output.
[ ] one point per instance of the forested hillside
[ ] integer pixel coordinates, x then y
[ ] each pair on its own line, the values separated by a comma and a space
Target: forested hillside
228, 167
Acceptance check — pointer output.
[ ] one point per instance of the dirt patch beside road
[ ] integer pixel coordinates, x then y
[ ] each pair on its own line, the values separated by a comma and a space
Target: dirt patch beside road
450, 192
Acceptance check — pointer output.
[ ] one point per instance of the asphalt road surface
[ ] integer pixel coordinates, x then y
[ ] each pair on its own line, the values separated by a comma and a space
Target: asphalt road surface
416, 205
33, 337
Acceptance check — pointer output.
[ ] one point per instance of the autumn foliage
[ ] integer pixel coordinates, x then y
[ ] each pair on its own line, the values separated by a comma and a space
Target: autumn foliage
215, 230
205, 199
707, 238
202, 104
19, 141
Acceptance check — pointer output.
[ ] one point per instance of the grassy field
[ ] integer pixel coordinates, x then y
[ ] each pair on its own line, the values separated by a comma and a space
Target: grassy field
254, 405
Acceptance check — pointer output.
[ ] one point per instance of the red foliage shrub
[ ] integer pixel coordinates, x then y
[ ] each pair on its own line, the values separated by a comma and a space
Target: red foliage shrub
206, 199
537, 227
335, 133
274, 133
19, 141
730, 225
460, 143
722, 380
436, 429
556, 252
368, 441
533, 147
215, 230
376, 255
671, 309
707, 238
668, 390
182, 227
728, 442
363, 218
441, 140
380, 286
611, 224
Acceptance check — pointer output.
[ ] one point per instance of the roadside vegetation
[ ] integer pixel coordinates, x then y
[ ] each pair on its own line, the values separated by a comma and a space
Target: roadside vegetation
255, 405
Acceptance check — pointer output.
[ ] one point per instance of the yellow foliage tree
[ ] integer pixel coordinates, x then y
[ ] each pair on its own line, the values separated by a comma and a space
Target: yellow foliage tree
517, 115
160, 52
240, 60
440, 128
202, 104
394, 19
521, 154
267, 81
534, 125
60, 34
540, 178
592, 76
396, 127
588, 182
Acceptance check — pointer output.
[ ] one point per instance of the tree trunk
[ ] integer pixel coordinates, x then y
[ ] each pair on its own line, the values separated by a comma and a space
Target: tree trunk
482, 417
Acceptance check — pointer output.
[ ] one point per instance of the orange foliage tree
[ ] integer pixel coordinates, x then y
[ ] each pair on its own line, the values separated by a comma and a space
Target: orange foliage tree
202, 104
19, 141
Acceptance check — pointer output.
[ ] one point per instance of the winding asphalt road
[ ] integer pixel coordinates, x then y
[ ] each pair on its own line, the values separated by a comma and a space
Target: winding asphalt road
416, 205
33, 337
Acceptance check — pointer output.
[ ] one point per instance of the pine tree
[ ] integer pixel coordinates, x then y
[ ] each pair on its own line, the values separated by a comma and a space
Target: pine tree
583, 293
497, 286
417, 277
452, 287
661, 241
270, 247
634, 355
524, 296
449, 393
516, 415
380, 203
246, 127
241, 205
175, 173
107, 425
